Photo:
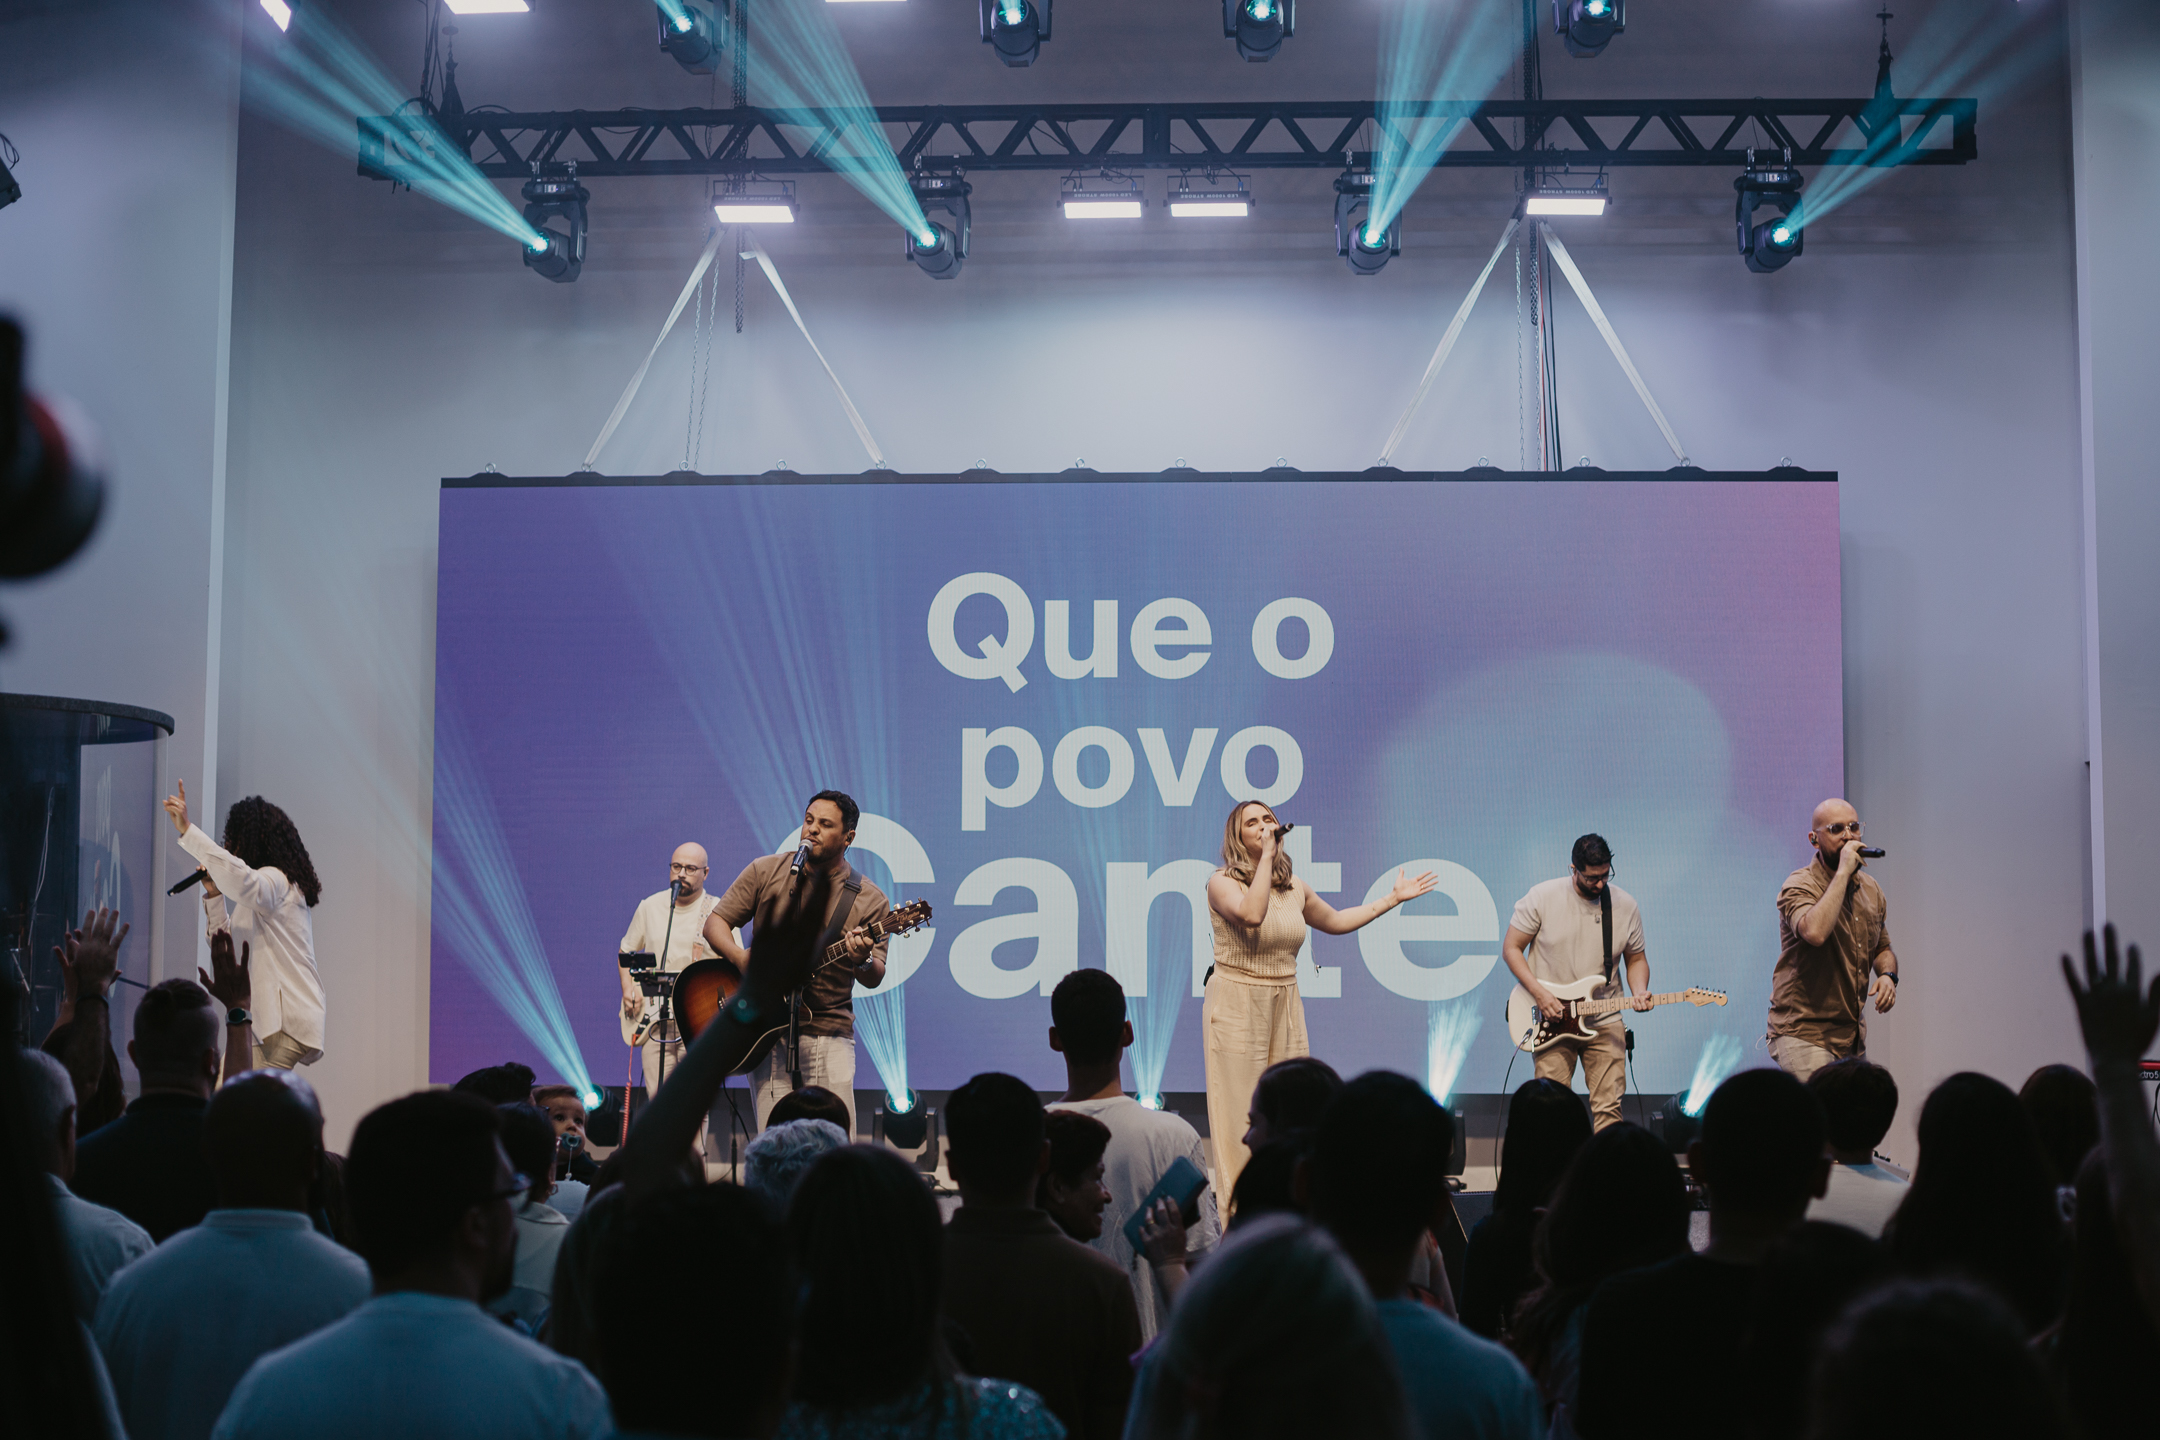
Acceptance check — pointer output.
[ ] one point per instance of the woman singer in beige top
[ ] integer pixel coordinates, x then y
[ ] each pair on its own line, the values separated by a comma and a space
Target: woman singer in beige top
1252, 1016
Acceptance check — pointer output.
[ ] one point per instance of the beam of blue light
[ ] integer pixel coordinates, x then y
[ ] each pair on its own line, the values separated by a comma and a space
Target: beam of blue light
774, 746
1450, 1026
1430, 51
677, 16
1720, 1057
318, 83
481, 910
881, 1021
798, 63
1979, 47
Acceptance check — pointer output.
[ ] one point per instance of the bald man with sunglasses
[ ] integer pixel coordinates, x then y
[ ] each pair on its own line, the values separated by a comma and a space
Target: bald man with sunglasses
1835, 957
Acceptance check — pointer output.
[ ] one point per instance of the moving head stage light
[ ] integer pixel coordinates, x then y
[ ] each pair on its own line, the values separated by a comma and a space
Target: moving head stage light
554, 193
1016, 28
941, 256
692, 33
1769, 245
1586, 27
1259, 26
1364, 249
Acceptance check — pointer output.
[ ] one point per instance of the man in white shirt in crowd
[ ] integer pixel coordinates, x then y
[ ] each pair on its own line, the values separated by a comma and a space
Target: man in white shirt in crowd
1579, 927
682, 933
530, 1140
99, 1241
1089, 1028
179, 1328
431, 1195
1377, 1179
1859, 1099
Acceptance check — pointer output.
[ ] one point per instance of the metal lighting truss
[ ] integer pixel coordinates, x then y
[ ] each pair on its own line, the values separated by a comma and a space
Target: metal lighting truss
1499, 134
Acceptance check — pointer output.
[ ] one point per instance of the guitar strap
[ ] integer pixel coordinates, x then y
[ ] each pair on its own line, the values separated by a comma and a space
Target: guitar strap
1605, 916
838, 927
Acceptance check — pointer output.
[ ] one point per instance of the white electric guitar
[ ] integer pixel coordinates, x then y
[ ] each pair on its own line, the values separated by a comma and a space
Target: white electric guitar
1533, 1030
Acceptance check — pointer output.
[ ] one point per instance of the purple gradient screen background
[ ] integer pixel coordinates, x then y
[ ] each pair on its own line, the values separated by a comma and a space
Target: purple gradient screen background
622, 668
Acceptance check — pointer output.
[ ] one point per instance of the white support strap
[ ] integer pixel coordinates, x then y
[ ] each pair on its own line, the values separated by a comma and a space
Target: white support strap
1566, 263
1447, 343
757, 252
697, 273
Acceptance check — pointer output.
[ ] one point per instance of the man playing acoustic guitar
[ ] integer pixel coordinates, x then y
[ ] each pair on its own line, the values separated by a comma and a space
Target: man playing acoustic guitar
767, 888
1575, 928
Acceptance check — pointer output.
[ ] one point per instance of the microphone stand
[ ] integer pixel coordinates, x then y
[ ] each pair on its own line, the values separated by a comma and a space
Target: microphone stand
667, 941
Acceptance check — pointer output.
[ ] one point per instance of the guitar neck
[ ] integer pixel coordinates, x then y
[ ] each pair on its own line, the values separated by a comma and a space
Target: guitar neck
838, 949
1607, 1007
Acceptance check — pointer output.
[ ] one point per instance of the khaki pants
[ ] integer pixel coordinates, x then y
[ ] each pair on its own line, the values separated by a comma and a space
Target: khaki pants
1604, 1064
280, 1051
1247, 1026
827, 1060
1799, 1059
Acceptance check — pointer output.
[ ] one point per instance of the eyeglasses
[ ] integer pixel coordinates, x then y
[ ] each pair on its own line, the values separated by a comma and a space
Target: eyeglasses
1589, 879
686, 869
1842, 827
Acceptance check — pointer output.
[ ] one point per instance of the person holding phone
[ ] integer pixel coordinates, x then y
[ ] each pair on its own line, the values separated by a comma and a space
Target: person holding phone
1252, 1016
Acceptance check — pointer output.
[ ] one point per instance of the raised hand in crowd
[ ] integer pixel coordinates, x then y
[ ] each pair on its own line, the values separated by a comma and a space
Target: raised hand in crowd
228, 984
89, 959
2119, 1017
90, 956
227, 977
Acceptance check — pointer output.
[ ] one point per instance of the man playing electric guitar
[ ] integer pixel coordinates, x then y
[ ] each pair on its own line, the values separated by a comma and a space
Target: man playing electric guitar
683, 933
769, 888
1575, 928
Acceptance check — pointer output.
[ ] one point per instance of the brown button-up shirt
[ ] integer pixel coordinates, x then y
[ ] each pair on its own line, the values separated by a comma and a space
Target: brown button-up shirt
829, 999
1817, 990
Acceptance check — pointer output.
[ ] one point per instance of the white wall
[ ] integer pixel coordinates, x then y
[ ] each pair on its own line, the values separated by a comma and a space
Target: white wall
1925, 347
118, 262
2117, 130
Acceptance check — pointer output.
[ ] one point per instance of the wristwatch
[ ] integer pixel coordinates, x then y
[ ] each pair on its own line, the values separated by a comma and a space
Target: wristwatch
238, 1015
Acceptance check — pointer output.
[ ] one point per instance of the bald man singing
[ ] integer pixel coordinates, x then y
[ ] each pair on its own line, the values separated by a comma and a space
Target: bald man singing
1834, 924
685, 940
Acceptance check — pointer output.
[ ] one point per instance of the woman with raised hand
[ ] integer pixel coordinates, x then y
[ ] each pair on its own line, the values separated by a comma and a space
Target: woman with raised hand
1252, 1016
264, 870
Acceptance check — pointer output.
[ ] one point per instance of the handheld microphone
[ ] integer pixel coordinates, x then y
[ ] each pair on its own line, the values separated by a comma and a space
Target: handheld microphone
794, 868
1285, 829
195, 879
1868, 854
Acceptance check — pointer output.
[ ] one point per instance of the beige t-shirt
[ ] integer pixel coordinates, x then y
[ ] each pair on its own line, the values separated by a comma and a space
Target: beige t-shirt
1568, 935
685, 942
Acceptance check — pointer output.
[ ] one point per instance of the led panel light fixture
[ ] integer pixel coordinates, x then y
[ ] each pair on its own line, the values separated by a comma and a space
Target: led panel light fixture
761, 209
487, 7
1564, 205
1563, 196
1213, 199
278, 11
1115, 200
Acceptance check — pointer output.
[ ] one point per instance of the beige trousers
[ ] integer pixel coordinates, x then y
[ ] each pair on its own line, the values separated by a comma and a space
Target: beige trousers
1799, 1059
1246, 1026
1604, 1066
827, 1060
281, 1052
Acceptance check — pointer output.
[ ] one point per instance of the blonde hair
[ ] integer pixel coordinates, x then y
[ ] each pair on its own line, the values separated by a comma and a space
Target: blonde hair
1237, 861
1276, 1338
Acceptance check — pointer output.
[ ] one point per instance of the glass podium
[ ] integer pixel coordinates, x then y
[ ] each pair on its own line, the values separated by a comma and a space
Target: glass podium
79, 827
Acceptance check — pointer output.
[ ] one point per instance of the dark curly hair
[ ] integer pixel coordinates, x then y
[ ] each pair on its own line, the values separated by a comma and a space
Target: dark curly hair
264, 838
